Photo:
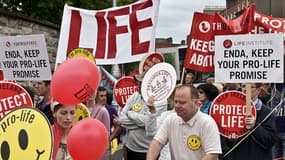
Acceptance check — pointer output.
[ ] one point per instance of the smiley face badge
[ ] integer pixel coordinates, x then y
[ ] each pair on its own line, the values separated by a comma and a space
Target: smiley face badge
25, 133
82, 112
194, 142
137, 107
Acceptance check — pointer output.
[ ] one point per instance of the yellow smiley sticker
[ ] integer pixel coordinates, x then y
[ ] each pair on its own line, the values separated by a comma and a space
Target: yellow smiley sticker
194, 142
25, 133
81, 113
137, 107
81, 52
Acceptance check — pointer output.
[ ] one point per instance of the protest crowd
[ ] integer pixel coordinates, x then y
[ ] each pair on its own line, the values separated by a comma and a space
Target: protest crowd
154, 112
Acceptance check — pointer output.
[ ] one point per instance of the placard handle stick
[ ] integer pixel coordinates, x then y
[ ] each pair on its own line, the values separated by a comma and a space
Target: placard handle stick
182, 76
248, 100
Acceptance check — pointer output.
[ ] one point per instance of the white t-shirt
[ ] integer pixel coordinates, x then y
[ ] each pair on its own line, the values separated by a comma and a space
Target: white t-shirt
190, 140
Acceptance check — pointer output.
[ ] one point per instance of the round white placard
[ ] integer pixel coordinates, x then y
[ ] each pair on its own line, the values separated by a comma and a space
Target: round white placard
159, 81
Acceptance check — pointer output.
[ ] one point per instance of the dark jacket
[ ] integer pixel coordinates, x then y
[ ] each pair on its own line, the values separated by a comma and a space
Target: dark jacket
258, 145
45, 108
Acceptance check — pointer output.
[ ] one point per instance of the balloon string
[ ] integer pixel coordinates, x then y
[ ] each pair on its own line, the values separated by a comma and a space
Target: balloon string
259, 124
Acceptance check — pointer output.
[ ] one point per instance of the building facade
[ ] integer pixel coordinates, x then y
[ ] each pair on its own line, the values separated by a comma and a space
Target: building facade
275, 8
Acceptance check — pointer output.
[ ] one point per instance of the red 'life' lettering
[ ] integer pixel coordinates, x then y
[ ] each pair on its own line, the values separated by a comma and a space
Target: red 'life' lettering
74, 31
101, 38
114, 29
136, 25
108, 30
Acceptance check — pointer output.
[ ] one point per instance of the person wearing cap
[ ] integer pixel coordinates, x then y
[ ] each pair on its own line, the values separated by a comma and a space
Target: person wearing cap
133, 118
63, 117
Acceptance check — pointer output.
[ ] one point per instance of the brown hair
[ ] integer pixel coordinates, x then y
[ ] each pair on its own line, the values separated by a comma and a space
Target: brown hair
193, 90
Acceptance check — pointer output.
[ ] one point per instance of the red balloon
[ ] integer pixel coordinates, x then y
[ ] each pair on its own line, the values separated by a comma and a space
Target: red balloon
75, 81
87, 140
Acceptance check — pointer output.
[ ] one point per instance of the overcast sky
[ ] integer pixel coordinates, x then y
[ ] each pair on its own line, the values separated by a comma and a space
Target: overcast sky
175, 17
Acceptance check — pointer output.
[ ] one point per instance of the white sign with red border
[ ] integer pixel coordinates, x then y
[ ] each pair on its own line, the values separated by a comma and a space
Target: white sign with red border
159, 82
249, 58
229, 111
25, 58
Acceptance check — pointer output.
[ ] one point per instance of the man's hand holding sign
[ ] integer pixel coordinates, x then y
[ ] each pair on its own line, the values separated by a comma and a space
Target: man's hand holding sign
244, 61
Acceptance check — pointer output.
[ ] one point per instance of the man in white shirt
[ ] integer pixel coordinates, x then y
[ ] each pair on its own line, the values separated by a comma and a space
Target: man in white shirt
191, 134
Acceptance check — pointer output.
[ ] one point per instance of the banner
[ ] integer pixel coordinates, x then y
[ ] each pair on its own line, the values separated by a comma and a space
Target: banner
200, 50
115, 35
267, 24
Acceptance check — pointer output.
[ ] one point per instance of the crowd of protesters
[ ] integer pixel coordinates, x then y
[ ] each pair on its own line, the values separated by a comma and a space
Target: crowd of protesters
187, 131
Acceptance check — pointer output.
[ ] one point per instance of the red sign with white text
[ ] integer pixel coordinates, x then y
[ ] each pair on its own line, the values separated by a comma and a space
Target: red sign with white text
200, 51
267, 24
13, 96
124, 88
149, 61
229, 111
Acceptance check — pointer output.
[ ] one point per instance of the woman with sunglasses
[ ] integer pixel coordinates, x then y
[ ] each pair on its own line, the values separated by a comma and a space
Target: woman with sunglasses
207, 93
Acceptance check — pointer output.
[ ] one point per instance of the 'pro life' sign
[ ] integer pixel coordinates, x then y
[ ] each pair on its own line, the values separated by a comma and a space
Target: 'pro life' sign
249, 58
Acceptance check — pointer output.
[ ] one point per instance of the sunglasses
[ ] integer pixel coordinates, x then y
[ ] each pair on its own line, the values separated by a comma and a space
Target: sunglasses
201, 92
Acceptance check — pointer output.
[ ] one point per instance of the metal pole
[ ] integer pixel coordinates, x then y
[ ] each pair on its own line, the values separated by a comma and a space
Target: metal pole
114, 3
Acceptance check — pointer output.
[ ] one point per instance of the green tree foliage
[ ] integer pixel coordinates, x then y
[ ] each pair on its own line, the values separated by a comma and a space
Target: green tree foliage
52, 10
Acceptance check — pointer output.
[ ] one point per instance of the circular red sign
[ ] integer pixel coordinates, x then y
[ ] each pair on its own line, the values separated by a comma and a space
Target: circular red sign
13, 96
124, 88
229, 111
149, 61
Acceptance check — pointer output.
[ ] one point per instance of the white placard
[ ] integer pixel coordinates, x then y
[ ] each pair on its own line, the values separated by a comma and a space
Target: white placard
159, 81
25, 58
249, 58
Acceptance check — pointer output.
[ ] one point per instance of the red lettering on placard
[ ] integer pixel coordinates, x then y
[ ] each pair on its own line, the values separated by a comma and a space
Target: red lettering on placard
136, 26
74, 31
108, 30
13, 102
114, 30
202, 46
101, 38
